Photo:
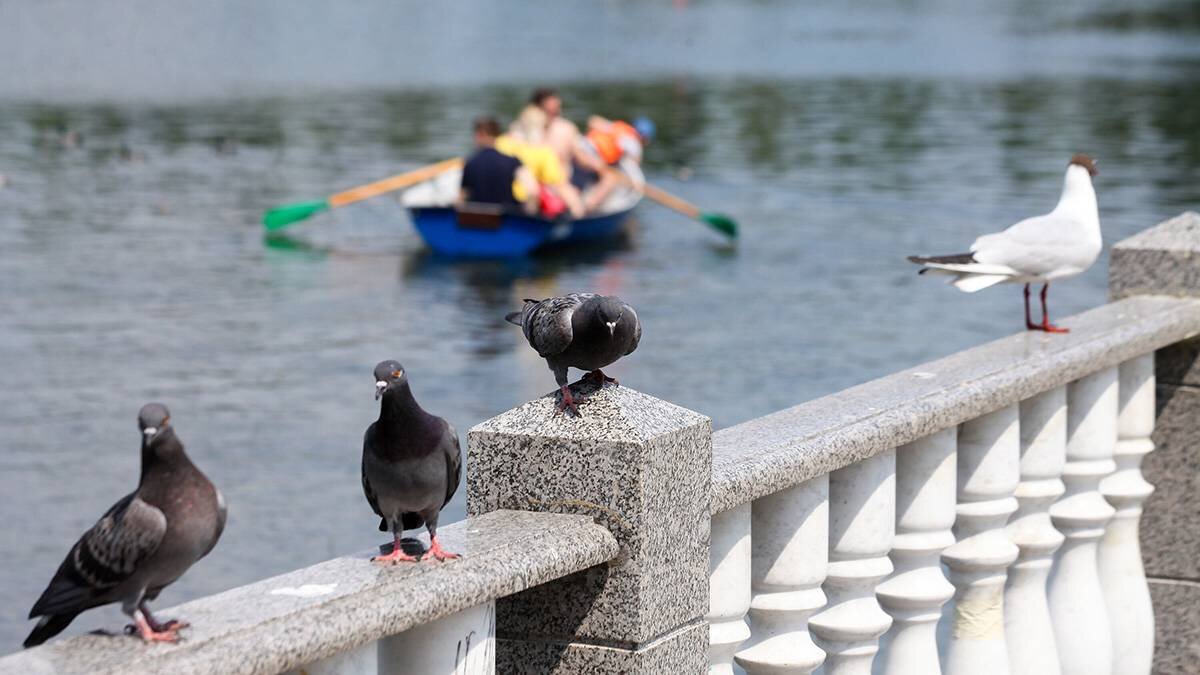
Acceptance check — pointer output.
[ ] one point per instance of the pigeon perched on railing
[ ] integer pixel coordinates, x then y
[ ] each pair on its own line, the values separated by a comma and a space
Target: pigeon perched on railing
411, 464
579, 330
1057, 245
143, 543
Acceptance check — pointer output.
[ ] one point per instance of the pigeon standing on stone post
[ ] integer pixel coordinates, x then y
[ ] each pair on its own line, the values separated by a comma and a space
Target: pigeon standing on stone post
144, 543
1057, 245
411, 464
579, 330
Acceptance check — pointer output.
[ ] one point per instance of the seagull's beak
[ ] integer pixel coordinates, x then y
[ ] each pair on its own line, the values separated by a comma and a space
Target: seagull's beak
380, 386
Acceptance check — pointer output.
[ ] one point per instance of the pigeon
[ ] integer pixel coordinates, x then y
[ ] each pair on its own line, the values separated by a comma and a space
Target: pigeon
411, 464
581, 330
142, 544
1057, 245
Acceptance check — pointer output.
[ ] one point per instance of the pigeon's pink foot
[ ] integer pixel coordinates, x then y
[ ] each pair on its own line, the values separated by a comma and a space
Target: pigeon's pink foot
436, 551
396, 556
568, 401
600, 378
149, 634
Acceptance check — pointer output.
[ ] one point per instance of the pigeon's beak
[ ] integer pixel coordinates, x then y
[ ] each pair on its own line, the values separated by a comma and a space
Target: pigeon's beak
380, 386
150, 432
612, 325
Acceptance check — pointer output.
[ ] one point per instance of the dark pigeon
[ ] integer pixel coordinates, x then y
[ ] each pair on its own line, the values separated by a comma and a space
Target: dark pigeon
411, 464
142, 544
579, 330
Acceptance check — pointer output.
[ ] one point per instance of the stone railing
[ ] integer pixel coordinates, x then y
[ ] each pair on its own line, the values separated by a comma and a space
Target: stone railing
976, 514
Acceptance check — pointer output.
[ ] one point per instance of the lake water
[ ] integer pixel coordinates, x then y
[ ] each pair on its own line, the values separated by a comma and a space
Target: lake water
142, 143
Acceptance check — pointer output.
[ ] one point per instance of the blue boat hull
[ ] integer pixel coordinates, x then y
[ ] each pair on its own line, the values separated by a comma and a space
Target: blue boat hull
510, 236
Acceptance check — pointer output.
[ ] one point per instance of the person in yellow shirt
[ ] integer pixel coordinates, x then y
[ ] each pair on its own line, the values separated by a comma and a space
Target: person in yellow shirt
525, 140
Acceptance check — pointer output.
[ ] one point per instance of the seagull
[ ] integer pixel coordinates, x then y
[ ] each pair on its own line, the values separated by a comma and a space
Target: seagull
580, 330
411, 464
142, 544
1057, 245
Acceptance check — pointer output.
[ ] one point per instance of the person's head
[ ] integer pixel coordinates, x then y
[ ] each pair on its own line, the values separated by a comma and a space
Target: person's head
486, 130
530, 125
548, 100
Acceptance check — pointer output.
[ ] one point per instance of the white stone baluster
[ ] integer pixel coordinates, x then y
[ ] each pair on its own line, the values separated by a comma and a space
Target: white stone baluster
790, 544
1027, 625
914, 595
728, 587
862, 522
463, 643
1077, 606
1126, 594
361, 660
971, 635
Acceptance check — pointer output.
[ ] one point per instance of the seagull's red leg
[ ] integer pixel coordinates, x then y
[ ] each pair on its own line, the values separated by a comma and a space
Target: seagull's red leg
149, 634
1029, 324
397, 554
567, 401
436, 550
600, 378
1046, 325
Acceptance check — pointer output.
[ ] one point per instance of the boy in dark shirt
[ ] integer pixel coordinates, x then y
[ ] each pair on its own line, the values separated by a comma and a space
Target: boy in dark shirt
488, 175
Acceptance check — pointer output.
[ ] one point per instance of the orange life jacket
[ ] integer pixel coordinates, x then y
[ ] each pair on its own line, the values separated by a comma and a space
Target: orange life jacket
608, 142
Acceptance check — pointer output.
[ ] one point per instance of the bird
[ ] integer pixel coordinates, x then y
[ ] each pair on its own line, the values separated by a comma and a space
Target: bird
581, 330
141, 545
411, 464
1057, 245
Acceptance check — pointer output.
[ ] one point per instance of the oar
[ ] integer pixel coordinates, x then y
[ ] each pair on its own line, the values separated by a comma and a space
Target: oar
718, 221
282, 216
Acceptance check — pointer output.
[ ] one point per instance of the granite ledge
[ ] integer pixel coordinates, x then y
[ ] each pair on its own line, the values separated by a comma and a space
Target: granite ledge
1181, 233
783, 449
342, 603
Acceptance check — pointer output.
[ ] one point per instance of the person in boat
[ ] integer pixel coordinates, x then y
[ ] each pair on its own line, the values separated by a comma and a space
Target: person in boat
526, 140
609, 142
489, 175
582, 168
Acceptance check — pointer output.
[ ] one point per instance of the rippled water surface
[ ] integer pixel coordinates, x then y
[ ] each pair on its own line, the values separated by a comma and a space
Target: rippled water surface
139, 154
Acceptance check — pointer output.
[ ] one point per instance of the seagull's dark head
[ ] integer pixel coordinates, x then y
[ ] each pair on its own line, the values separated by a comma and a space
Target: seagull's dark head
610, 311
388, 375
1086, 162
153, 420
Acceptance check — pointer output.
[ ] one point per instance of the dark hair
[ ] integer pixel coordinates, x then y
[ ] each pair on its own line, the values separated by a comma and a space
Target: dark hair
541, 94
487, 125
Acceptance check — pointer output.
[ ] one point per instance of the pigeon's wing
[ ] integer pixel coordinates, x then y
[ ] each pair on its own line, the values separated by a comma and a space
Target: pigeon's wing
547, 324
368, 490
104, 556
453, 453
222, 512
637, 331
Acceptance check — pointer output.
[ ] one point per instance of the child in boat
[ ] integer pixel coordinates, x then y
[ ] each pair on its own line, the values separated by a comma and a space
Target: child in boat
525, 140
610, 141
489, 176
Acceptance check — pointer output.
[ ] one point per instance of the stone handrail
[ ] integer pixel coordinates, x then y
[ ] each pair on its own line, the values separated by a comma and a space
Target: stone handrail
295, 619
774, 452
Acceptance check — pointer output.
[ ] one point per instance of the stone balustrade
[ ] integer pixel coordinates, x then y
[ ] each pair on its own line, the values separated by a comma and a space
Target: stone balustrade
976, 514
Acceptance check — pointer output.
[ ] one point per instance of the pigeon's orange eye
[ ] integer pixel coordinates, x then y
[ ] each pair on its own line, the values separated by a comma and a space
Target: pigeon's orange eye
397, 373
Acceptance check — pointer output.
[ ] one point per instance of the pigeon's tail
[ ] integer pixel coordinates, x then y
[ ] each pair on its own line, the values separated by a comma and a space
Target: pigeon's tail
48, 627
514, 317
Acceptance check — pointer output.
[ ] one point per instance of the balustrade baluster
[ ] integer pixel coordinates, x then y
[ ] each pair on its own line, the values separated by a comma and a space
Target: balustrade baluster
790, 545
862, 521
728, 587
972, 630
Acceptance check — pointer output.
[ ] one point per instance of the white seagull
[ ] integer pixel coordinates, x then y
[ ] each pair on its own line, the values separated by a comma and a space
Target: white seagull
1057, 245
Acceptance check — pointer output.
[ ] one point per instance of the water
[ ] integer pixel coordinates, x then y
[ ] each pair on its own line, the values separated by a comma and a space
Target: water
133, 266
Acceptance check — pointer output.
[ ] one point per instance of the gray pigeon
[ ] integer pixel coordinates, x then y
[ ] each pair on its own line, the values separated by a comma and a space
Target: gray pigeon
142, 544
579, 330
411, 464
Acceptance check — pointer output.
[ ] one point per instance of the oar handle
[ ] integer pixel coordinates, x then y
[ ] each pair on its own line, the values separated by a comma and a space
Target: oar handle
671, 201
396, 182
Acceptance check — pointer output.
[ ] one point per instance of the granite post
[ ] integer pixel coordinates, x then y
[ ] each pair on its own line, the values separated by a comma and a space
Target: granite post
1165, 260
641, 467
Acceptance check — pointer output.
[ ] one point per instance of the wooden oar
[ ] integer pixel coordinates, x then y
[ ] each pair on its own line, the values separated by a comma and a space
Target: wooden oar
718, 221
282, 216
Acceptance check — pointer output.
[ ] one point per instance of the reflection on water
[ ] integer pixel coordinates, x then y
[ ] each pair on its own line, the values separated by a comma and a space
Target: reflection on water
134, 267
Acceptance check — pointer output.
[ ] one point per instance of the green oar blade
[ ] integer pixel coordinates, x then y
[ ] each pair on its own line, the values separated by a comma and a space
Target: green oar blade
282, 216
721, 223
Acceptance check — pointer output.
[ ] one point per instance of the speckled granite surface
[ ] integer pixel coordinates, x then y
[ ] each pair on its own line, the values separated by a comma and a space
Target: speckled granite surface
1176, 626
683, 651
1163, 260
768, 454
640, 466
1170, 531
296, 618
